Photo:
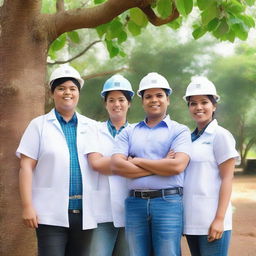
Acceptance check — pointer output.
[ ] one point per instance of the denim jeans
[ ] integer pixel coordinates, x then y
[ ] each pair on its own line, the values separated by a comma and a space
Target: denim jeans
108, 240
154, 225
61, 241
199, 246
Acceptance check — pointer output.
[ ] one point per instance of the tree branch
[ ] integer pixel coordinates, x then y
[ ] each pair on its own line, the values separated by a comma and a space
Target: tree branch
153, 19
75, 57
60, 6
105, 73
65, 21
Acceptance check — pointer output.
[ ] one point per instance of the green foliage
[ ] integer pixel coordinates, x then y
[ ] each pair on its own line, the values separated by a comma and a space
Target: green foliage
74, 37
224, 19
234, 78
164, 8
59, 43
138, 17
184, 6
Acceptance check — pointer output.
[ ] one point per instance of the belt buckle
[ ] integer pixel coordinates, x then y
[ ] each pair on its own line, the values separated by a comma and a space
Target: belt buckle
145, 195
75, 211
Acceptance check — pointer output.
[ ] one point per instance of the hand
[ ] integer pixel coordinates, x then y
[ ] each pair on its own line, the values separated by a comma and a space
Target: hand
29, 217
216, 230
132, 160
170, 154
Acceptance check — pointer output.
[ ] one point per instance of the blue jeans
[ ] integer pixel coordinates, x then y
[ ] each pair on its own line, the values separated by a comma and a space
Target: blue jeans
61, 241
108, 240
199, 246
154, 225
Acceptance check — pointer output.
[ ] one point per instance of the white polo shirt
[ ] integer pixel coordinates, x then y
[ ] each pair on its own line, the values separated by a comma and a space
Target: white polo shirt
202, 179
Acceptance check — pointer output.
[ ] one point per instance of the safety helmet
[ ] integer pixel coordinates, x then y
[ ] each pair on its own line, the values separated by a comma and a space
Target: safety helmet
200, 85
65, 71
117, 82
154, 80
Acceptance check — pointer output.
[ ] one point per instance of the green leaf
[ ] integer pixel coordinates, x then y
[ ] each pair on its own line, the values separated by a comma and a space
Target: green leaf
203, 4
209, 14
199, 32
74, 36
112, 48
223, 27
241, 31
164, 8
99, 1
235, 7
102, 29
138, 17
175, 24
52, 54
114, 29
250, 2
122, 37
59, 42
184, 6
134, 29
212, 25
231, 36
248, 20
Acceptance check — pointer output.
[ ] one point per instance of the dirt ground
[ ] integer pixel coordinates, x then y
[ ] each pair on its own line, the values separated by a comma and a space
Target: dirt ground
243, 241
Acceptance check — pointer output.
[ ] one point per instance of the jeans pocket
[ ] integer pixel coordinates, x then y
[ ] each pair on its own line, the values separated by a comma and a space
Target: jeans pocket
173, 198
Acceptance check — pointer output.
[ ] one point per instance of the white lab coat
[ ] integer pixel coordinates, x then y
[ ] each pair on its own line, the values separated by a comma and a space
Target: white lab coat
202, 179
112, 190
44, 141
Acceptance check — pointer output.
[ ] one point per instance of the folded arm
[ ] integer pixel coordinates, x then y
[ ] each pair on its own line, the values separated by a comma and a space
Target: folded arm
100, 163
121, 166
164, 167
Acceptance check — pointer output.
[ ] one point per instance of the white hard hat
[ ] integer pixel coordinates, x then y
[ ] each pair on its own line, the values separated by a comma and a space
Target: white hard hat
65, 71
117, 82
200, 85
154, 80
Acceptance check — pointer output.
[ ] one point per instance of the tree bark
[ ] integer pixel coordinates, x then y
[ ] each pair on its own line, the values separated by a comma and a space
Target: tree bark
22, 75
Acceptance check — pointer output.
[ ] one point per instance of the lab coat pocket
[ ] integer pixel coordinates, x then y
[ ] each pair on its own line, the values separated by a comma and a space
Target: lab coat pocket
101, 203
203, 210
43, 200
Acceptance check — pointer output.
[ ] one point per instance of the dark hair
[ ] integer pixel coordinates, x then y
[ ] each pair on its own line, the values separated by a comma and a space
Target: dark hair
62, 80
165, 90
210, 97
126, 94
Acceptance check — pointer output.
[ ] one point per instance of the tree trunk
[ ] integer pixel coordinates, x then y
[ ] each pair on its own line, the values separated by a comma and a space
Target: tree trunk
22, 92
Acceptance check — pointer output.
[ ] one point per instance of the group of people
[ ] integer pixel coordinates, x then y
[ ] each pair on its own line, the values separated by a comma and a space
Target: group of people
112, 188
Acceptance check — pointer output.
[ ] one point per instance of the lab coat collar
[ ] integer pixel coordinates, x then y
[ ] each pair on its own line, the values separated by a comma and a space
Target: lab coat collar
81, 119
211, 127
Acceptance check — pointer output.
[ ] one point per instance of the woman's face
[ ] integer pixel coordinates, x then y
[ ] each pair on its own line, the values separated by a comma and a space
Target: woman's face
117, 105
66, 96
155, 103
201, 110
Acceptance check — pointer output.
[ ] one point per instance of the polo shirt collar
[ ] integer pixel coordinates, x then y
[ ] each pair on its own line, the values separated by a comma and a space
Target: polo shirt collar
166, 121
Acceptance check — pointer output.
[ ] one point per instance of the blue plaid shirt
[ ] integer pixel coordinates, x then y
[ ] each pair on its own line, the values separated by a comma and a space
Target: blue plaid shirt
112, 129
75, 185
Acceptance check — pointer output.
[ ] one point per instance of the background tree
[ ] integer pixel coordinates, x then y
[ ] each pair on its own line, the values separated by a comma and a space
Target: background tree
235, 78
26, 33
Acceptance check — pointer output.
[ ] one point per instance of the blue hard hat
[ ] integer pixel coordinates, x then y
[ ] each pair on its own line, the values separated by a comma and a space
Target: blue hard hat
117, 83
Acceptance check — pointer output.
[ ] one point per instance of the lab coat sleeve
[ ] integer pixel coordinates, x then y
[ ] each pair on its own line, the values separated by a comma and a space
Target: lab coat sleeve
92, 140
30, 141
224, 146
